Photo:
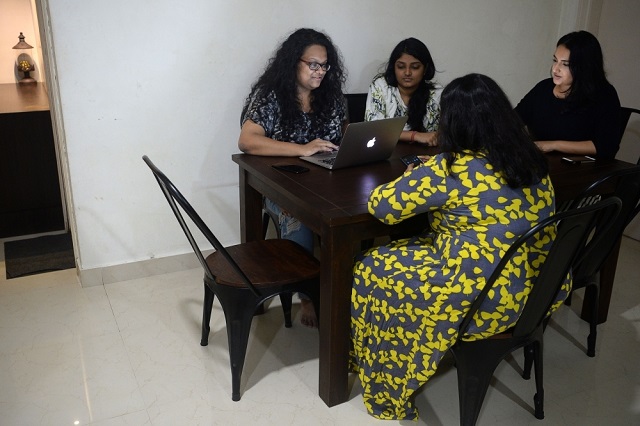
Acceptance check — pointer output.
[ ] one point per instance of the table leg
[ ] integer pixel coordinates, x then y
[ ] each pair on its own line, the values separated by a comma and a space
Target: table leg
250, 210
335, 314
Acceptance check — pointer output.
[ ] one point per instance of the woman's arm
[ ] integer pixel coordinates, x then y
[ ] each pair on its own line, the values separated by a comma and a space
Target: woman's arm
418, 190
426, 138
568, 147
253, 141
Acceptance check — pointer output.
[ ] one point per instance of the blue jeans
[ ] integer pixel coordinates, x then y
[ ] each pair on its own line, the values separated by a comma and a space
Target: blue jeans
291, 229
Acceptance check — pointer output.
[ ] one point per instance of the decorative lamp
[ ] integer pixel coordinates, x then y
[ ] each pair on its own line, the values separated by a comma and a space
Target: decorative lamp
24, 63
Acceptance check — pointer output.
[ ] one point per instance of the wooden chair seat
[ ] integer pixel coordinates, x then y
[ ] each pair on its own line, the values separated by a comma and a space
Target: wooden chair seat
280, 262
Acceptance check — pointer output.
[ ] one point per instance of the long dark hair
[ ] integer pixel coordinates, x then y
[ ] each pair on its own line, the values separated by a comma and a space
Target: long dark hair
418, 103
476, 115
586, 64
281, 74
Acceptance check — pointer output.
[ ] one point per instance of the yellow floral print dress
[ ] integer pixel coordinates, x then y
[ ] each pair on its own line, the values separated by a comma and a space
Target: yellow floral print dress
410, 296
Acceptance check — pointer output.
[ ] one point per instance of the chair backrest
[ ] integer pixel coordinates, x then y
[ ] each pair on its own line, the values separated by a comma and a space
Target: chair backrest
175, 199
576, 231
356, 105
625, 114
622, 184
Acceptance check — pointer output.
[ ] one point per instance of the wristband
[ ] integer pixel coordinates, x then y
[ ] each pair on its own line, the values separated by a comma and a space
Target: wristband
413, 135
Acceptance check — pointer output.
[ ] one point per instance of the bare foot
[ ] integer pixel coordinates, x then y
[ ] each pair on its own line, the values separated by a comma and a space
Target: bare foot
308, 316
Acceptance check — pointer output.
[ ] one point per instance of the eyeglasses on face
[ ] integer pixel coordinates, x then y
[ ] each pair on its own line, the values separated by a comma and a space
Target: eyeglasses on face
314, 66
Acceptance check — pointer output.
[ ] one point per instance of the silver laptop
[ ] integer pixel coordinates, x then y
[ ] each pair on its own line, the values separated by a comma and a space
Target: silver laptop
362, 143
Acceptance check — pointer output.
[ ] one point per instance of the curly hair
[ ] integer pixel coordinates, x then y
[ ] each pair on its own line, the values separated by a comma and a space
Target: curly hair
586, 64
476, 115
418, 103
281, 74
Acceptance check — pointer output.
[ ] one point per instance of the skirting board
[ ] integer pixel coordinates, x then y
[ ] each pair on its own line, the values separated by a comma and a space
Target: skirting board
164, 265
135, 270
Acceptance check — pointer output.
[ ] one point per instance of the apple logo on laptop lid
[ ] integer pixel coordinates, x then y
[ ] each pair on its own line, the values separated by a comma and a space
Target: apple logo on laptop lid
371, 143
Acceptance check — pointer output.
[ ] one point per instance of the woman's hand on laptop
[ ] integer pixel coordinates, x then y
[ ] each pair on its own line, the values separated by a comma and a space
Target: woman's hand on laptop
316, 146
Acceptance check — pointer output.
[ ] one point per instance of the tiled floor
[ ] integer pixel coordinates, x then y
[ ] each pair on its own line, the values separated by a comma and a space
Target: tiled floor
128, 354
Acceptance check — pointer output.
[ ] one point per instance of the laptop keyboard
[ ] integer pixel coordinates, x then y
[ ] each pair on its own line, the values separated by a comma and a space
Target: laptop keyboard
329, 161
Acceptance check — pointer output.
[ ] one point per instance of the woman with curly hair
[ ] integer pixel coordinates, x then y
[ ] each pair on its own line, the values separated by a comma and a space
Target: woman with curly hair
296, 108
406, 89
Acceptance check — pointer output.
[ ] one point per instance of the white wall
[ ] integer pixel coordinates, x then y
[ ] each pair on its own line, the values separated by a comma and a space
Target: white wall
168, 78
619, 35
618, 23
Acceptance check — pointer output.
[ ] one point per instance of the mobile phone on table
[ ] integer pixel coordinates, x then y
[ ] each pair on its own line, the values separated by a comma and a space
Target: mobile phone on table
578, 159
411, 159
291, 168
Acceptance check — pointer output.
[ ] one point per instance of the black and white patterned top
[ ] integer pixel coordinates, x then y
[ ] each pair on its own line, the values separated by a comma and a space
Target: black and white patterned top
385, 101
265, 111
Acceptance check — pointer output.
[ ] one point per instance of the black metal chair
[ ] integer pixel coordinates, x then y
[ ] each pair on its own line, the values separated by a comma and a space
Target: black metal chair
625, 114
625, 185
356, 105
243, 276
476, 360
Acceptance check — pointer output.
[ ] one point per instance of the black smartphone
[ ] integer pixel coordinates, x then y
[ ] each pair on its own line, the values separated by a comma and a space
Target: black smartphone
291, 168
578, 159
411, 159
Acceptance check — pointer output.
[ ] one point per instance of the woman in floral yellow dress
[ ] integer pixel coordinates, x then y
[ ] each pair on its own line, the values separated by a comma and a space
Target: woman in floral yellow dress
488, 186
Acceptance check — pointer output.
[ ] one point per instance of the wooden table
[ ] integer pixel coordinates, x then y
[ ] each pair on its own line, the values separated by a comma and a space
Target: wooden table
334, 205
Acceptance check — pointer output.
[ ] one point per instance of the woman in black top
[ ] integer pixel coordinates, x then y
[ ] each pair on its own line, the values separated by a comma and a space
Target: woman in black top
576, 110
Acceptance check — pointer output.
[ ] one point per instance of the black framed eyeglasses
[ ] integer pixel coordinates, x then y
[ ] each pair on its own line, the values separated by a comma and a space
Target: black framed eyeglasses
314, 66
